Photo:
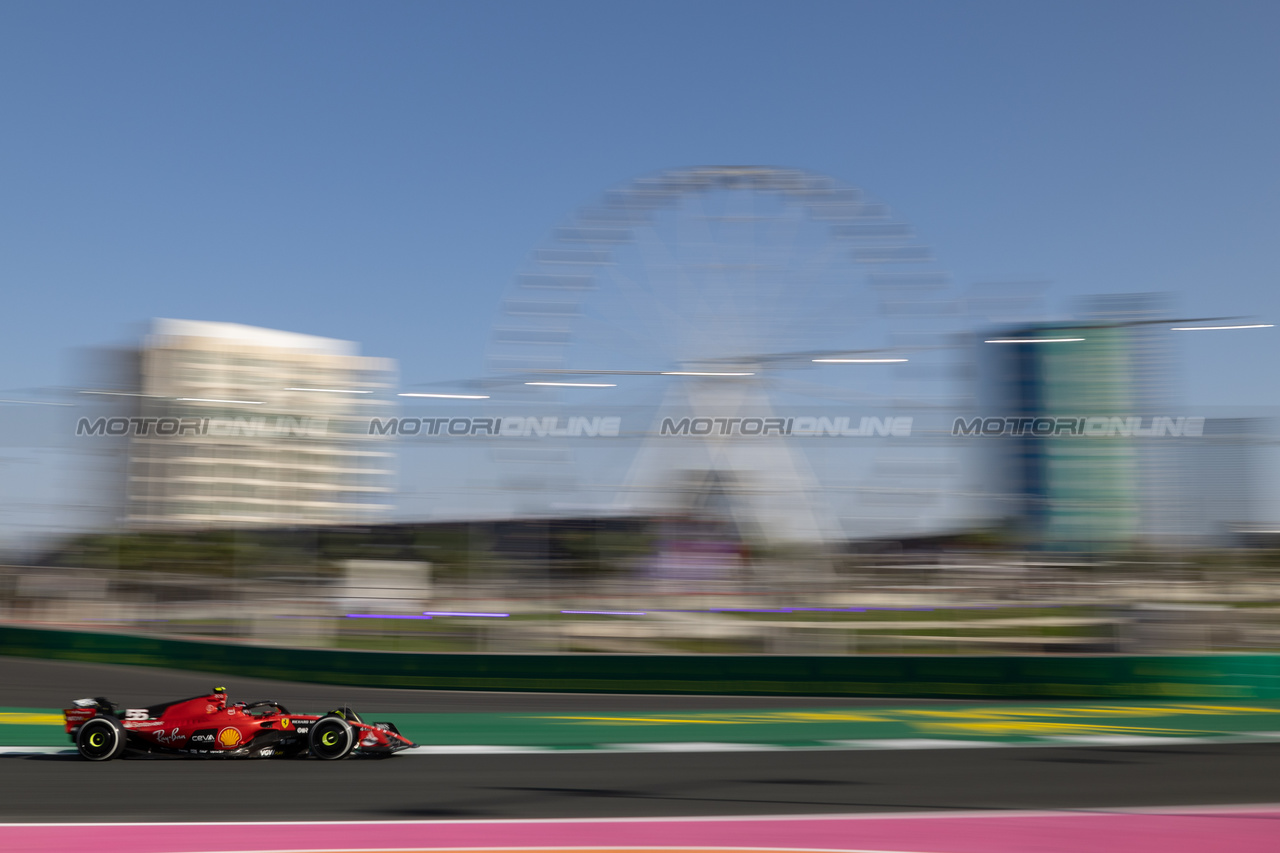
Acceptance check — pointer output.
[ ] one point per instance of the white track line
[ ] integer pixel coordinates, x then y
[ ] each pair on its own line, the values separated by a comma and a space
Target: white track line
942, 814
916, 743
37, 750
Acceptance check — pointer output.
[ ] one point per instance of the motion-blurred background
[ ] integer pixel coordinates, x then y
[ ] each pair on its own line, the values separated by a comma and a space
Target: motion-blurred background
413, 327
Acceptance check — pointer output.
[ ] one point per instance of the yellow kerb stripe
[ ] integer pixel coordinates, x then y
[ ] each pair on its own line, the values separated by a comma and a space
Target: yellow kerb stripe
23, 718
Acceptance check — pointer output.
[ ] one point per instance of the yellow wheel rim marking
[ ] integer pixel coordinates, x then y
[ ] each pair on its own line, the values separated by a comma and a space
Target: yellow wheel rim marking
328, 738
95, 739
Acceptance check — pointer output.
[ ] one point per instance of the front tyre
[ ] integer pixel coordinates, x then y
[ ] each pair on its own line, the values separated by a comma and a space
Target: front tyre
101, 739
332, 738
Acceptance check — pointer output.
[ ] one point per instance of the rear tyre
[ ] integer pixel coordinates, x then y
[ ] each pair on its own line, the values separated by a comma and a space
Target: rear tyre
332, 738
101, 739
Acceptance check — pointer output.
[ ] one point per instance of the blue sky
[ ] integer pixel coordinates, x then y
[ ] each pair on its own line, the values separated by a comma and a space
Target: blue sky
378, 172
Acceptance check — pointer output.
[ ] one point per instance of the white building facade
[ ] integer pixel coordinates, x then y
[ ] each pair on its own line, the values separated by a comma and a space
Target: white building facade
273, 430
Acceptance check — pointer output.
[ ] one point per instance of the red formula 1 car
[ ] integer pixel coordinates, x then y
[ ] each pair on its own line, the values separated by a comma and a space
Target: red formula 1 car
207, 725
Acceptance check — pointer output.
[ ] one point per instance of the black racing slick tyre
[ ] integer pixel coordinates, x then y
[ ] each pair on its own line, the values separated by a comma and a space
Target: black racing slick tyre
332, 738
101, 739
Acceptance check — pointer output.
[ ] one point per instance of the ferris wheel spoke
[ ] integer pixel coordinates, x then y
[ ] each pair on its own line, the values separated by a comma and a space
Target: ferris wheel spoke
671, 300
643, 300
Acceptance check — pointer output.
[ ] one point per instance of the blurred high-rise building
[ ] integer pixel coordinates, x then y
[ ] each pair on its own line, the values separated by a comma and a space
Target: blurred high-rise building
273, 429
1061, 491
1067, 492
1223, 481
1126, 487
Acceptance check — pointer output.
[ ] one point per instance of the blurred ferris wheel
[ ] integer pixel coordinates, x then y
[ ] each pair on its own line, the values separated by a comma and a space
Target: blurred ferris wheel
732, 289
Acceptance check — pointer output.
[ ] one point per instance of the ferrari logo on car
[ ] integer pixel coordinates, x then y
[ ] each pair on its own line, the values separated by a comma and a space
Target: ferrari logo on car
229, 737
284, 724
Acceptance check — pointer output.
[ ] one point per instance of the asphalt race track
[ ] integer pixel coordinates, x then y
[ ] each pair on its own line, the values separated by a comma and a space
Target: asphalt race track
58, 788
63, 788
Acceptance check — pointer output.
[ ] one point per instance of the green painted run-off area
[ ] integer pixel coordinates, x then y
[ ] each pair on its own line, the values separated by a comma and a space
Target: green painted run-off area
1006, 722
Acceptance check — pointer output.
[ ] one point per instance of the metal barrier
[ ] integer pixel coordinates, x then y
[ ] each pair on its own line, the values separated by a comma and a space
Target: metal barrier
1190, 677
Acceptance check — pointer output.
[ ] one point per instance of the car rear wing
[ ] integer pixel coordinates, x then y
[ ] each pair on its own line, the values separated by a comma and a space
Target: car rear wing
85, 709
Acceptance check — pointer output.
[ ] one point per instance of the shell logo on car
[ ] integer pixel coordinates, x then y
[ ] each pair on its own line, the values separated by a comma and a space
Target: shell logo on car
229, 737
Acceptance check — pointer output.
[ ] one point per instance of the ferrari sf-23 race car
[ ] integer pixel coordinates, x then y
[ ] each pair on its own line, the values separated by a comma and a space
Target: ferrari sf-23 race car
209, 726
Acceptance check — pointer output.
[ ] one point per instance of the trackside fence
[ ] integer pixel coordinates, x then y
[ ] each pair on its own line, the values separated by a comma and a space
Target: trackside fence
1092, 677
